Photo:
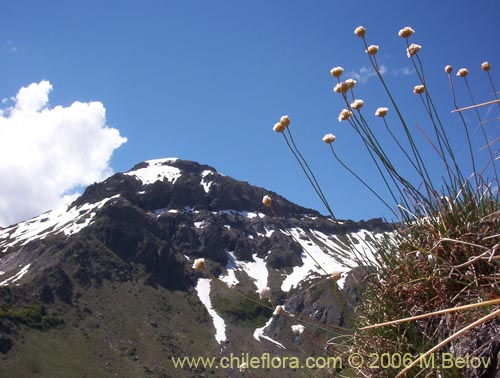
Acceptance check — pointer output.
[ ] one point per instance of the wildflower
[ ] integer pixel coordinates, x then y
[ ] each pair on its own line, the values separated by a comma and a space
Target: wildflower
267, 201
448, 69
344, 115
419, 255
413, 49
485, 66
285, 120
406, 32
279, 127
329, 138
336, 71
265, 293
279, 310
350, 83
298, 329
419, 89
199, 264
360, 31
340, 88
462, 72
432, 259
336, 276
243, 367
357, 104
381, 112
372, 50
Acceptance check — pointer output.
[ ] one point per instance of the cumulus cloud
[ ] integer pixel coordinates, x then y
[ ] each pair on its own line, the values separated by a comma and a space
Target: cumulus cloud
46, 153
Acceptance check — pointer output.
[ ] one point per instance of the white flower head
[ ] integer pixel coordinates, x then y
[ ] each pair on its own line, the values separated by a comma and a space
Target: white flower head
199, 264
298, 329
336, 276
279, 127
360, 31
448, 69
267, 201
485, 66
329, 138
372, 49
406, 32
462, 72
336, 71
419, 89
381, 112
344, 115
285, 120
340, 88
357, 104
350, 83
413, 49
243, 367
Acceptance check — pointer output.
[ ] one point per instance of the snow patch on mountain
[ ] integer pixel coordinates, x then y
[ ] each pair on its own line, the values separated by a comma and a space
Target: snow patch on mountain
157, 170
206, 184
258, 334
203, 290
65, 219
17, 276
256, 269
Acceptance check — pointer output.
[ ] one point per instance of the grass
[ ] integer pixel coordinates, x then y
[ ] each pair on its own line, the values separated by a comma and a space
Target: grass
443, 254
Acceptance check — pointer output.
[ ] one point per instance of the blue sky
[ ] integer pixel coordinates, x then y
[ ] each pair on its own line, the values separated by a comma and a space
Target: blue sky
207, 80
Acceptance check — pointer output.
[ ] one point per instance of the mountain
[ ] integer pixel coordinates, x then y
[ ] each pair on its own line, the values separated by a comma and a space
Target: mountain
104, 287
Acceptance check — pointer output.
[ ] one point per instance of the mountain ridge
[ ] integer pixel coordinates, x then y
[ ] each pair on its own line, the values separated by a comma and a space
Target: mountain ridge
137, 233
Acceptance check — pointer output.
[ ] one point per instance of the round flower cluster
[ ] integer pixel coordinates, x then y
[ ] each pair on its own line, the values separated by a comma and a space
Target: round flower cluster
381, 112
357, 104
360, 31
462, 72
372, 50
485, 66
267, 201
199, 264
448, 69
413, 49
406, 32
344, 115
419, 89
329, 138
336, 71
282, 124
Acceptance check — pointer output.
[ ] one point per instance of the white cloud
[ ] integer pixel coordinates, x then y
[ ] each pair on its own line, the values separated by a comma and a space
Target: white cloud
47, 153
367, 72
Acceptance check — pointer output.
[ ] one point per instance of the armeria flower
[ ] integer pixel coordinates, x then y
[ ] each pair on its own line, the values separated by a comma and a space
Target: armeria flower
360, 31
413, 49
285, 120
243, 367
350, 83
406, 32
381, 112
462, 72
279, 127
485, 66
448, 69
298, 329
344, 115
279, 310
267, 201
340, 88
372, 50
199, 264
357, 104
265, 293
419, 89
336, 71
329, 138
336, 276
